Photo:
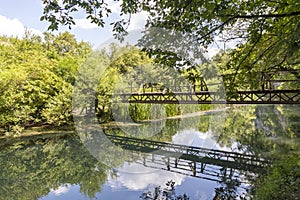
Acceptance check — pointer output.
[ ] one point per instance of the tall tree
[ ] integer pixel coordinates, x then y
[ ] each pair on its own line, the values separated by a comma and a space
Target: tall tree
36, 79
266, 33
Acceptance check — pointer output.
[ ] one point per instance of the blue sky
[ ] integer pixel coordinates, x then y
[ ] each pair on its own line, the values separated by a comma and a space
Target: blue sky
18, 15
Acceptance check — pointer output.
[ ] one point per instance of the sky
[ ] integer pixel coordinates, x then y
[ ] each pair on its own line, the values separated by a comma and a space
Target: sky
16, 16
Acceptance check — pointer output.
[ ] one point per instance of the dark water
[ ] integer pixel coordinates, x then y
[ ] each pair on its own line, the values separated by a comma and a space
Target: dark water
90, 165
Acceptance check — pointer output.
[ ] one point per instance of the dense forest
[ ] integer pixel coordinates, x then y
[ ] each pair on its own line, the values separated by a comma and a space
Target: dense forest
36, 79
38, 76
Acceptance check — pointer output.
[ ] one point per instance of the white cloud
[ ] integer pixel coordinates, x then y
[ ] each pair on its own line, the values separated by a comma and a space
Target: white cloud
61, 190
115, 6
84, 23
36, 32
137, 177
13, 27
138, 21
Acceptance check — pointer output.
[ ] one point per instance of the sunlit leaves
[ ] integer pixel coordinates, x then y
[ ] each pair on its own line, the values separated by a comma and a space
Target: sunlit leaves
36, 79
266, 33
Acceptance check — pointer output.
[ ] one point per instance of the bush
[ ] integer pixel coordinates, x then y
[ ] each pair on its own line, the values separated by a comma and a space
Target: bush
282, 180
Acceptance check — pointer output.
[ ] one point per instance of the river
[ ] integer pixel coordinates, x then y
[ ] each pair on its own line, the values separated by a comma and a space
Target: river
198, 156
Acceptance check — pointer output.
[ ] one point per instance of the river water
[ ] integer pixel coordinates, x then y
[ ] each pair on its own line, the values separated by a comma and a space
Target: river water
199, 156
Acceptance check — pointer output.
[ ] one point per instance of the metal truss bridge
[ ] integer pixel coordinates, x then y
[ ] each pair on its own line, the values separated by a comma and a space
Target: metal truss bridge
206, 97
269, 90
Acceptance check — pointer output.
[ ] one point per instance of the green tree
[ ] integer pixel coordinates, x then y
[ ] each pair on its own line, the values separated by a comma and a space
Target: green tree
282, 180
267, 131
266, 33
36, 79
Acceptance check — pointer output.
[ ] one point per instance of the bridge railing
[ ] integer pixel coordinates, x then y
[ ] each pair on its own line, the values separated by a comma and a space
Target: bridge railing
208, 97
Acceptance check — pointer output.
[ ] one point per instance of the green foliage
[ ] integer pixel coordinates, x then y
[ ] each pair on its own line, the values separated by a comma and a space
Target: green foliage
238, 74
266, 33
119, 66
282, 180
33, 166
36, 79
266, 131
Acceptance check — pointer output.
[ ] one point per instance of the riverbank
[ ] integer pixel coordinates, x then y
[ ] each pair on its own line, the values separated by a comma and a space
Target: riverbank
47, 129
41, 130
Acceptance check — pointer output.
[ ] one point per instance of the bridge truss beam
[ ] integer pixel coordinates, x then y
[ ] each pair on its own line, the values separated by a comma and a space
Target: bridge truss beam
206, 97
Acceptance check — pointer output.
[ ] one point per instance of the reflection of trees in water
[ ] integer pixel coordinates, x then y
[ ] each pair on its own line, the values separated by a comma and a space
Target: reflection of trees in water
227, 190
222, 167
142, 130
168, 128
164, 193
32, 167
261, 130
257, 129
46, 163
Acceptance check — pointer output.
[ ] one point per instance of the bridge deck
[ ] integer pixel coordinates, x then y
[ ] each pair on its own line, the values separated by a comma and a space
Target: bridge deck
207, 97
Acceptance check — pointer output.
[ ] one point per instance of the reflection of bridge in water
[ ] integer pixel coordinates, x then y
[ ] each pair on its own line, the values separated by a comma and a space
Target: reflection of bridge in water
209, 164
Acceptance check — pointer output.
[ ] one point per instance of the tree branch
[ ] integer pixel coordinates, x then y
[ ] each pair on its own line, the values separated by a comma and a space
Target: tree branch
245, 57
216, 28
264, 15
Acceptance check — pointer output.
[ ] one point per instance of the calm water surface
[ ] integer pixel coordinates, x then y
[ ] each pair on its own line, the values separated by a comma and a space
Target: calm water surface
74, 166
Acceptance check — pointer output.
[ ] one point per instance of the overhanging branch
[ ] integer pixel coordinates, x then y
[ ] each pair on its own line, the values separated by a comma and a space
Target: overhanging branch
280, 15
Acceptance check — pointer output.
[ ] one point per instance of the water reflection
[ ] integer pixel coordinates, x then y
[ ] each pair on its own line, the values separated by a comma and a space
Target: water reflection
60, 167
